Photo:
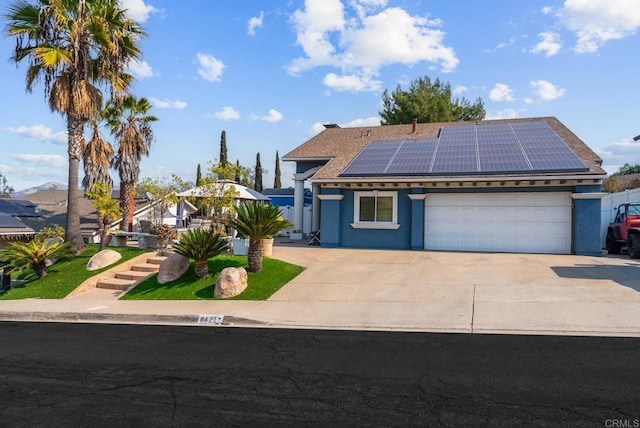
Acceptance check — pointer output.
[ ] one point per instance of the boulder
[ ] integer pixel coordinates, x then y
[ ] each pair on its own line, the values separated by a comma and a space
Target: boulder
102, 259
231, 282
172, 268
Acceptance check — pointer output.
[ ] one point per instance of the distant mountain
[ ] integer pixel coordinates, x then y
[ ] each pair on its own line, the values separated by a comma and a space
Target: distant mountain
52, 185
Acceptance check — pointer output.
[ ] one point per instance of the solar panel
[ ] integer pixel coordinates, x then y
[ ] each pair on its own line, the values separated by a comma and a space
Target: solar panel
18, 207
413, 157
6, 221
373, 159
511, 147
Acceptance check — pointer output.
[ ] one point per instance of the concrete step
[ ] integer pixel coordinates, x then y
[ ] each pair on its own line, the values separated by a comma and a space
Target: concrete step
145, 267
156, 260
133, 274
116, 283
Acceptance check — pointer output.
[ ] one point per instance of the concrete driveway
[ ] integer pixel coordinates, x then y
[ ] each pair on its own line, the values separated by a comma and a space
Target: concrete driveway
479, 292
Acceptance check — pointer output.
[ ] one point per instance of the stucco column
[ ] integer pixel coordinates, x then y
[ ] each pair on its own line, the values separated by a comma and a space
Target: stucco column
315, 211
298, 201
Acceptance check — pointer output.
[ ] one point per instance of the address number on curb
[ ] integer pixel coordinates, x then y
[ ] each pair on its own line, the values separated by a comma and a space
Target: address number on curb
210, 319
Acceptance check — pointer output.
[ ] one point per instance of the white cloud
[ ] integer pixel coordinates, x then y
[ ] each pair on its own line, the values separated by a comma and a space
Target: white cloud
315, 129
361, 45
227, 113
351, 83
40, 133
508, 113
174, 104
369, 121
138, 10
616, 154
501, 92
549, 45
139, 69
547, 10
546, 91
594, 22
210, 68
459, 90
272, 116
255, 22
502, 45
55, 161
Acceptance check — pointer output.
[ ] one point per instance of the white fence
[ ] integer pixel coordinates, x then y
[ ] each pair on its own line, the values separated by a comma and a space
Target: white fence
609, 205
287, 214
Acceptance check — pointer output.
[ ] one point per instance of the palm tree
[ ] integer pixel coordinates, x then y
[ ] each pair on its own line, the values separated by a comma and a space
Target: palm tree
131, 126
257, 220
33, 255
96, 156
74, 46
201, 245
107, 208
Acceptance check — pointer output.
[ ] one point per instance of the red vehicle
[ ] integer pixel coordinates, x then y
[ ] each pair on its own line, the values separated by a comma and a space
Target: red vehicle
625, 231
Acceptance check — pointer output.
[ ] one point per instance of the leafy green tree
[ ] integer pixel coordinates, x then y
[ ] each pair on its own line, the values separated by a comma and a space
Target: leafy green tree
258, 171
108, 209
200, 245
628, 169
427, 102
277, 181
219, 194
131, 125
163, 193
34, 255
257, 220
223, 149
75, 46
5, 189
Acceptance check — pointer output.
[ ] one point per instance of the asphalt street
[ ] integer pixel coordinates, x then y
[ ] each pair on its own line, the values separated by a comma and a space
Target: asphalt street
77, 375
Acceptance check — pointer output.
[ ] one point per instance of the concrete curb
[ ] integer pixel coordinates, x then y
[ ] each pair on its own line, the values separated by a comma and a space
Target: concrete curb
125, 319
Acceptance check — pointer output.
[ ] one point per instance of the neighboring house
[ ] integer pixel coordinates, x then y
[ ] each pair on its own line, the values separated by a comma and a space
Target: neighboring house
11, 228
149, 211
513, 185
284, 198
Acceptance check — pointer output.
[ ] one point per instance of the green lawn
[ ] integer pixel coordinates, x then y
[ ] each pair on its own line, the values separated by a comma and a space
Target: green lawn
63, 277
274, 275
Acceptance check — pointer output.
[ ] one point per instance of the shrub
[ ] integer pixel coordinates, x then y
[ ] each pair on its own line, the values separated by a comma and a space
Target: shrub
200, 245
34, 255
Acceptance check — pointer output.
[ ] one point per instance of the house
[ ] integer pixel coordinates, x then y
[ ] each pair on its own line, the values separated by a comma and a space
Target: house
284, 198
513, 185
11, 228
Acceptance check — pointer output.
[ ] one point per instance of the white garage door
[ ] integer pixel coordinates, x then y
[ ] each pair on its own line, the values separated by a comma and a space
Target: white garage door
501, 222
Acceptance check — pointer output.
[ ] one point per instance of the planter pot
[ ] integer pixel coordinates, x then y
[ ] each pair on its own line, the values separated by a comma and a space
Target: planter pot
267, 247
240, 246
296, 236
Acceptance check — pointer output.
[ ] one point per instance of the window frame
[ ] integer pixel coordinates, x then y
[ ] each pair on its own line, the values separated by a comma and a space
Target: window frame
359, 224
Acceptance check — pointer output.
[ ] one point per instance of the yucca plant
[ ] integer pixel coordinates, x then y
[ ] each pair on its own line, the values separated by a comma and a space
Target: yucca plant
201, 245
34, 255
257, 220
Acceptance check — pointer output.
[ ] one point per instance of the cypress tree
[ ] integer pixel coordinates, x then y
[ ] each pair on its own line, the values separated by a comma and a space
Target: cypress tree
277, 182
237, 179
198, 176
223, 149
258, 184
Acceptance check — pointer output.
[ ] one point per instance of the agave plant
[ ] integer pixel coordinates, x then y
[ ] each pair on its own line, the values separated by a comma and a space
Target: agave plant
201, 245
34, 255
257, 220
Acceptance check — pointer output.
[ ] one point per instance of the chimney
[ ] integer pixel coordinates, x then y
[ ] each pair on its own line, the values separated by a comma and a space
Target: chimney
413, 125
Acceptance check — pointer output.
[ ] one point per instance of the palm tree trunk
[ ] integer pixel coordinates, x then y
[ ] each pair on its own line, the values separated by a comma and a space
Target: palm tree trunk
72, 230
40, 268
202, 268
254, 255
127, 193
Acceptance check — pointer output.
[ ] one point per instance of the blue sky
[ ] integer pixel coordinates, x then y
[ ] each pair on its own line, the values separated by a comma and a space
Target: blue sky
271, 73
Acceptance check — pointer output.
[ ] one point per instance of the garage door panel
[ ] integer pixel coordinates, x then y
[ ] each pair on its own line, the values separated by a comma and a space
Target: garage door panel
501, 222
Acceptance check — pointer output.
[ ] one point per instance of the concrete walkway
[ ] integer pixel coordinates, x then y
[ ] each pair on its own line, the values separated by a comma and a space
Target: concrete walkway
403, 290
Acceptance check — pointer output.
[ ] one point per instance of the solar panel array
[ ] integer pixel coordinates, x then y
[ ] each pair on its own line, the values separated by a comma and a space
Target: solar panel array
493, 148
7, 221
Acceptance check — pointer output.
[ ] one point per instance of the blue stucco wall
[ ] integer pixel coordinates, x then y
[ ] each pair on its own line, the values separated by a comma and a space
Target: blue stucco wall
337, 216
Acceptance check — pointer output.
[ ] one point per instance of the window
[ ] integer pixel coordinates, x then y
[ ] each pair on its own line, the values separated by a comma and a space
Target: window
375, 210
